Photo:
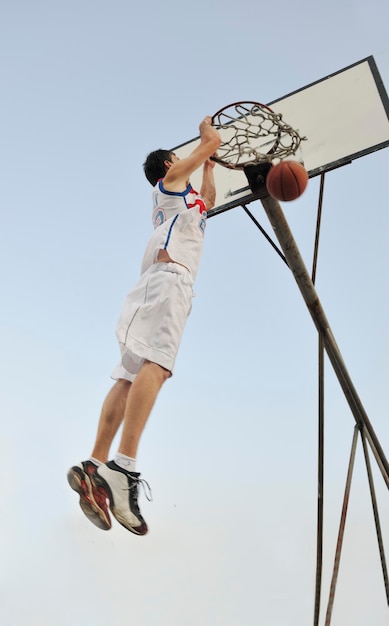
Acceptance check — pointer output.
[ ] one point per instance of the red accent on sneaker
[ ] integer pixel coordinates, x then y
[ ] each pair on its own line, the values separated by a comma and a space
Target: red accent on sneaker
93, 498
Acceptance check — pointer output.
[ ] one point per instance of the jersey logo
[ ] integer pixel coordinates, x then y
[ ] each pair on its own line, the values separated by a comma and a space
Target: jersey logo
202, 225
159, 218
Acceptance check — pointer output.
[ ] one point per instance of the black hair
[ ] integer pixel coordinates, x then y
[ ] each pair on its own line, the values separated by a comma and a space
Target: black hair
154, 165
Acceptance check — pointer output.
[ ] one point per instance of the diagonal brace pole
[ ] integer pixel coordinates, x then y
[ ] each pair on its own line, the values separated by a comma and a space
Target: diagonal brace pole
308, 291
376, 515
342, 526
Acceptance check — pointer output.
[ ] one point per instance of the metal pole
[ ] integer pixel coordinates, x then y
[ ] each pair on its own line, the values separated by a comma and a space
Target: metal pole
308, 291
320, 486
320, 460
342, 526
376, 515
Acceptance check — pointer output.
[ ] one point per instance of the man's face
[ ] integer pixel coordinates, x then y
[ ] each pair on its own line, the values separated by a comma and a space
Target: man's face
174, 158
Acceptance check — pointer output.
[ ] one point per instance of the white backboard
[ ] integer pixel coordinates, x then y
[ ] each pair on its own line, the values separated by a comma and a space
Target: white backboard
344, 116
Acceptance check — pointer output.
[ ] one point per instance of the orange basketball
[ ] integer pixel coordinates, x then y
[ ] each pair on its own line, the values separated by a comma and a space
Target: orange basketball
287, 180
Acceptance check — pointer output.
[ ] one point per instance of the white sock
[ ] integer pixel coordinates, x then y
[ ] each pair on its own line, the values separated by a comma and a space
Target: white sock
125, 462
95, 461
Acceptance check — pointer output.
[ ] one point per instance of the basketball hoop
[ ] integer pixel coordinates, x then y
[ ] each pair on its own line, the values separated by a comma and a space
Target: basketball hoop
253, 134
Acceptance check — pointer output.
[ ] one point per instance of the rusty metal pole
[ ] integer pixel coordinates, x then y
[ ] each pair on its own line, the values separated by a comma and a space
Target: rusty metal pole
308, 291
342, 525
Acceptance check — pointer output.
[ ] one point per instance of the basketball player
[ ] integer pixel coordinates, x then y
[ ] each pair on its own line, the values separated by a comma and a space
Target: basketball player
149, 331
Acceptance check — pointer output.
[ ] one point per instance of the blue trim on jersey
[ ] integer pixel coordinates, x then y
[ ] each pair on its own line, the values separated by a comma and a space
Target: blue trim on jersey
170, 232
174, 193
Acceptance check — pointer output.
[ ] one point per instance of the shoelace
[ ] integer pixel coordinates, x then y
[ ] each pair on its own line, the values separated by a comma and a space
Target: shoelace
145, 485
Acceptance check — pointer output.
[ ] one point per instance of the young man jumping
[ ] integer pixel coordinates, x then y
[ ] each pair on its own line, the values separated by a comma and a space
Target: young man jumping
149, 331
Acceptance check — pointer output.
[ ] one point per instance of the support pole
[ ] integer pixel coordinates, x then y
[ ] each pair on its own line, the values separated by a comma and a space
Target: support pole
342, 526
308, 291
376, 516
320, 484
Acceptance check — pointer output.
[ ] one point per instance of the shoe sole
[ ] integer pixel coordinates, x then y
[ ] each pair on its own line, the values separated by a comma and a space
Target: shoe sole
80, 482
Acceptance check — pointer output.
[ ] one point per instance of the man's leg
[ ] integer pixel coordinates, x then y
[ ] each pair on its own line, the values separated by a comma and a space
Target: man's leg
112, 415
122, 486
140, 402
93, 499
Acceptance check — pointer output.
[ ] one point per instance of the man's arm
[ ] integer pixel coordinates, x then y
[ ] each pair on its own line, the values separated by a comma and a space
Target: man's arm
208, 189
178, 174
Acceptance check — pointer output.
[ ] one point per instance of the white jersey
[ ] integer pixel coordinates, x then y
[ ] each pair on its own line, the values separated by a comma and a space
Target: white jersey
179, 219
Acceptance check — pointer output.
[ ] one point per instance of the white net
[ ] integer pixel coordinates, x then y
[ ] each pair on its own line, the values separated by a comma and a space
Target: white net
253, 133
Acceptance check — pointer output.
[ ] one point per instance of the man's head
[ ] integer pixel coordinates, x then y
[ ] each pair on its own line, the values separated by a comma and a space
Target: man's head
155, 165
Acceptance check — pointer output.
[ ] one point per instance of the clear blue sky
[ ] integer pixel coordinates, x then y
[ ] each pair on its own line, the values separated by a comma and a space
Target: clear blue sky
88, 89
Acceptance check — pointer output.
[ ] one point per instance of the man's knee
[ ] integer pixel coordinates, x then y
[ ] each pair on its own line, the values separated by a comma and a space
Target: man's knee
165, 373
123, 384
162, 373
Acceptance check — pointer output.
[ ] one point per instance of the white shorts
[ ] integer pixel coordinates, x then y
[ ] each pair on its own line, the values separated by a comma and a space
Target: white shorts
153, 318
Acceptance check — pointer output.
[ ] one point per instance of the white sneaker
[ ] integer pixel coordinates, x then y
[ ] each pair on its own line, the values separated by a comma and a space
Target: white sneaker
122, 490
